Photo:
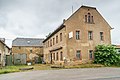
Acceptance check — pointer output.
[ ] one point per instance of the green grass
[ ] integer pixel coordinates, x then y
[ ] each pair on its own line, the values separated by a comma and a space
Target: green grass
84, 66
11, 69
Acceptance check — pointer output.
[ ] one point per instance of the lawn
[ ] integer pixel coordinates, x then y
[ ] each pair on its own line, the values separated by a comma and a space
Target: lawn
11, 69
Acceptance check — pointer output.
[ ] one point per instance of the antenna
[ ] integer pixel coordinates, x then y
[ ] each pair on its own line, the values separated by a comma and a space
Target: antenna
72, 9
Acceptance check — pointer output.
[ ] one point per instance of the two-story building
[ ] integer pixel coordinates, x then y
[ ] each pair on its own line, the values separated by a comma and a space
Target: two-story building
27, 49
4, 50
76, 38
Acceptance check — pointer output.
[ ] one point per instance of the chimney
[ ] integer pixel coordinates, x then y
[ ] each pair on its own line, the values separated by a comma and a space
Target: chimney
3, 40
64, 20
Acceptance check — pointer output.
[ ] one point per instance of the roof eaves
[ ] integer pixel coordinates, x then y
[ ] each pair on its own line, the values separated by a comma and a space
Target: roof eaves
54, 32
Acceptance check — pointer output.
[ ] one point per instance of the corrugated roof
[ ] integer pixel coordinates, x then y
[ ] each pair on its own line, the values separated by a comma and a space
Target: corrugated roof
27, 42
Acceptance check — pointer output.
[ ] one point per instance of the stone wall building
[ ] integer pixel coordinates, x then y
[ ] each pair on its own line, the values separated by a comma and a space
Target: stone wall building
75, 39
28, 48
4, 50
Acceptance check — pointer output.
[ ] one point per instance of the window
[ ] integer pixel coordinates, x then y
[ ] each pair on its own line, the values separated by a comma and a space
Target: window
48, 43
61, 56
53, 56
92, 19
90, 35
60, 36
53, 41
77, 35
85, 18
90, 54
0, 57
57, 56
19, 47
56, 39
101, 36
30, 51
88, 17
78, 54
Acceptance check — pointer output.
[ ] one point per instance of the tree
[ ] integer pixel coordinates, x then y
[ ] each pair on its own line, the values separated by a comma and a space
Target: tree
106, 55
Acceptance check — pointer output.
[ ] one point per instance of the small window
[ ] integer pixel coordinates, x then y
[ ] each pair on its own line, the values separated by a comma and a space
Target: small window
101, 36
77, 35
85, 18
53, 56
60, 36
53, 41
0, 57
19, 47
78, 54
48, 43
90, 35
92, 19
90, 54
61, 56
57, 56
56, 39
89, 17
30, 51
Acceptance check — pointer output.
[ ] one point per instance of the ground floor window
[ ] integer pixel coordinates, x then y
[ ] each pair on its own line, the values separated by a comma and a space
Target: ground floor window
53, 56
90, 54
57, 57
0, 57
78, 54
61, 56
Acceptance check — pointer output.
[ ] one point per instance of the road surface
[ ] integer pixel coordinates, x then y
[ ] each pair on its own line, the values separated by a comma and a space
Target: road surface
66, 74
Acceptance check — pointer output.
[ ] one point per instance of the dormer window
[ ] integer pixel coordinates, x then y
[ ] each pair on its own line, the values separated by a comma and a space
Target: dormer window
89, 18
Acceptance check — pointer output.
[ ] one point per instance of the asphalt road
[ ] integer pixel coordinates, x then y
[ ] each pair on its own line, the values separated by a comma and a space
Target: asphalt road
66, 74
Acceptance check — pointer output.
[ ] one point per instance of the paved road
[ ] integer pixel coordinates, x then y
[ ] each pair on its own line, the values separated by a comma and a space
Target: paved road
66, 74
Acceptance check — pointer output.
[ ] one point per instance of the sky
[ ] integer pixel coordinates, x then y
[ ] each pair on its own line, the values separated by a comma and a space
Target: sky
37, 18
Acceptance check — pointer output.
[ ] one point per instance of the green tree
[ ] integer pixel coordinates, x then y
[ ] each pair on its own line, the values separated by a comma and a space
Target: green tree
106, 55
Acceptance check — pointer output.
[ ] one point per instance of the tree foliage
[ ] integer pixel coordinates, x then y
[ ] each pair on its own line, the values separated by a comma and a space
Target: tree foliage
106, 55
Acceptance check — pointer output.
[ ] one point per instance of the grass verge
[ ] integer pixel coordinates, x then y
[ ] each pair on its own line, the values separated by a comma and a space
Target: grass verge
11, 69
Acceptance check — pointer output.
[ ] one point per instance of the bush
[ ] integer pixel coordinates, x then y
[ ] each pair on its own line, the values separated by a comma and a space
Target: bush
106, 55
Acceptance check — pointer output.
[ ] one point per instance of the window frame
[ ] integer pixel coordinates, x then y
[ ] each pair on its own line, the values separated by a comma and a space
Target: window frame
90, 54
101, 36
77, 34
80, 56
90, 36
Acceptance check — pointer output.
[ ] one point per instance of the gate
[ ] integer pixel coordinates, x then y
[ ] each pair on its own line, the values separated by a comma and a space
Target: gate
9, 60
20, 58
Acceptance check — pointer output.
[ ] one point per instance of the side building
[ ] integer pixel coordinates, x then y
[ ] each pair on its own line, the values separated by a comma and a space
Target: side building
4, 51
27, 50
75, 39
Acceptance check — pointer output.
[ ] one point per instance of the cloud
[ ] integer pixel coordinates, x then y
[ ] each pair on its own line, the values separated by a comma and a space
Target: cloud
36, 18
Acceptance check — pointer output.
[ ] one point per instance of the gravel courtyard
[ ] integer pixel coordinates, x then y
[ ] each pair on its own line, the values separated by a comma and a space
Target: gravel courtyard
66, 74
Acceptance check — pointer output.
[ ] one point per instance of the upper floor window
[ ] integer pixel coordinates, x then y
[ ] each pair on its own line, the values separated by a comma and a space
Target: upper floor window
77, 35
101, 36
90, 35
78, 54
60, 36
85, 18
57, 39
89, 18
50, 42
53, 41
